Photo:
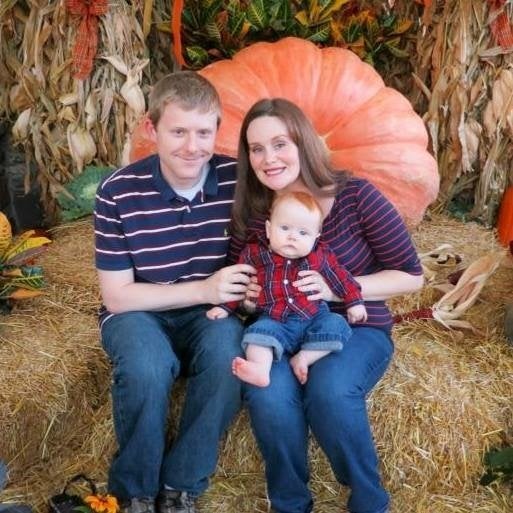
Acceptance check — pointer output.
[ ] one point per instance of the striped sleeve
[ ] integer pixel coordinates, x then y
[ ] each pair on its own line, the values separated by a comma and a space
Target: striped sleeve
386, 232
111, 249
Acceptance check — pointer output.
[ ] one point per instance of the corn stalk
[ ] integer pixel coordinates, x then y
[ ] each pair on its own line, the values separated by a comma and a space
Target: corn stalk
64, 124
465, 83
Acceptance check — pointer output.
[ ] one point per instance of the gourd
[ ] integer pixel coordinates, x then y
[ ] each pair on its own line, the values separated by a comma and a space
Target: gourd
370, 129
505, 218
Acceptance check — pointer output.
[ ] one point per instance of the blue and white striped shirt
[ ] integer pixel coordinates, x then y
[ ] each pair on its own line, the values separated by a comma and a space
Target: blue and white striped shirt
142, 224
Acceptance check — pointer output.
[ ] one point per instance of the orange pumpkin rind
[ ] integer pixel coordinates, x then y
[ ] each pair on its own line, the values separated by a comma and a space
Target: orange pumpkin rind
370, 129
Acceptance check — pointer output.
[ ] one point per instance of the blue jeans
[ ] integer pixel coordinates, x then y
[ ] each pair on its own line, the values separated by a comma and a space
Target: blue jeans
3, 475
148, 351
325, 331
332, 403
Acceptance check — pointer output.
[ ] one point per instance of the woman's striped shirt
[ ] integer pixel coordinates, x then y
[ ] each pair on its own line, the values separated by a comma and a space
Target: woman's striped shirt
367, 235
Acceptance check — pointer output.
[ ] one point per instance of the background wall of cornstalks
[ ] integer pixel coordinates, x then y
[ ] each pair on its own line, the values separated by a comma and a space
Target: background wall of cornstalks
444, 56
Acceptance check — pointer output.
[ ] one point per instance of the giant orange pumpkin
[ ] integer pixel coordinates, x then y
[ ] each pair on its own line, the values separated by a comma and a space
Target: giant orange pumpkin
370, 129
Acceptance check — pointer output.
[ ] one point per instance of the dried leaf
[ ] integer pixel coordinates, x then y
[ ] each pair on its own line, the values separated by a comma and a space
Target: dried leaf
20, 129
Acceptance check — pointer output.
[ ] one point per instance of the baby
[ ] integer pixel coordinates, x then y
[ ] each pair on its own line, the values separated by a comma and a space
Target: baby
288, 321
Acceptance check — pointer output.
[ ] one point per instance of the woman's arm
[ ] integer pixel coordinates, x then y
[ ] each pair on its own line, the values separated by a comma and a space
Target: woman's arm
388, 283
378, 286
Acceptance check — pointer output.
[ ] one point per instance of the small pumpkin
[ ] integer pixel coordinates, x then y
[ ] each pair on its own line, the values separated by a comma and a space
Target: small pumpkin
370, 129
505, 218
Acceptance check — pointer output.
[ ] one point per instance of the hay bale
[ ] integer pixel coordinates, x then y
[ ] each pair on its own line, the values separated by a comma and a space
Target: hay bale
53, 376
444, 401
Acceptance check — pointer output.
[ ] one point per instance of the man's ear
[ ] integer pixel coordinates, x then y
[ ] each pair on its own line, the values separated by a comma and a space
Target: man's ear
149, 128
267, 228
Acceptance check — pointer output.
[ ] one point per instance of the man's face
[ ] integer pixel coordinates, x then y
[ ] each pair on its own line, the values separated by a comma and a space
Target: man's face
185, 141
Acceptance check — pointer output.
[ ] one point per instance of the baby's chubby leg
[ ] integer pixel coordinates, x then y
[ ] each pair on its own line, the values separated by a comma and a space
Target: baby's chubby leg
302, 360
255, 369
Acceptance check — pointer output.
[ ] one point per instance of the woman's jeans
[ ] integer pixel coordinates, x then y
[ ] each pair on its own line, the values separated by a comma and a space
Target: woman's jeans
332, 403
148, 351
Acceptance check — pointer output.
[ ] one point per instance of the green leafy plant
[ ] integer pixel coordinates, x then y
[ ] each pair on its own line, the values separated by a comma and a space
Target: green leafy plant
217, 29
19, 279
77, 198
375, 37
498, 465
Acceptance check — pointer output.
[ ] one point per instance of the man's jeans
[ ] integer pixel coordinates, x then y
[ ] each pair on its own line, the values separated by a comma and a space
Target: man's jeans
3, 475
332, 404
148, 351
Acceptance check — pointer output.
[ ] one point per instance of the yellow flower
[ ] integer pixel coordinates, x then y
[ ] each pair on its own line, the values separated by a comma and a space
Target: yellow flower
102, 503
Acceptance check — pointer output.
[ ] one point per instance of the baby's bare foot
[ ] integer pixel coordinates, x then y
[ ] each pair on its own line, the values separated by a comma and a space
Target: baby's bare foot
251, 372
299, 367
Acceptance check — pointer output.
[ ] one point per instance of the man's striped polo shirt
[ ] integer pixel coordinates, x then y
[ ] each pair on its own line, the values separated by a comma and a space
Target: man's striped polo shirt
142, 224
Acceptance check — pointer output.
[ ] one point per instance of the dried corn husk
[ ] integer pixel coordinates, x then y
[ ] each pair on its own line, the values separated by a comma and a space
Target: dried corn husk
464, 294
36, 73
470, 108
20, 130
81, 146
131, 90
440, 257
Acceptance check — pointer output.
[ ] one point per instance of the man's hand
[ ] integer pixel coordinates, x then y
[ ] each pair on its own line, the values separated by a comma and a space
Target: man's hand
228, 284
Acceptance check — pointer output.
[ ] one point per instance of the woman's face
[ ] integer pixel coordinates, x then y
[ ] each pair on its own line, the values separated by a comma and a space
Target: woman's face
273, 155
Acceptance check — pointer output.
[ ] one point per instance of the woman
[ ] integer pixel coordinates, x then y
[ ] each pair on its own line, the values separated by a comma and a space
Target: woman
279, 152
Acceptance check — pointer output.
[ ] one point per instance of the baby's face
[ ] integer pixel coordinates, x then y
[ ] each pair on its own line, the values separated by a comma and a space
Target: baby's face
293, 229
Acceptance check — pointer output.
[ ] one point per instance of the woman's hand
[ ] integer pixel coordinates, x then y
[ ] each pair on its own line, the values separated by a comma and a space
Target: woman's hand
312, 282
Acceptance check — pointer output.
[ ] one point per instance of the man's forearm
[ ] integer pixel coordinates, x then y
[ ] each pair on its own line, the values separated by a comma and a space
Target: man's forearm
121, 293
153, 297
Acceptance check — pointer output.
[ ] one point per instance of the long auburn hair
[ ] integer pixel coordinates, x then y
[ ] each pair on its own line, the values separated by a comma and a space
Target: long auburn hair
252, 198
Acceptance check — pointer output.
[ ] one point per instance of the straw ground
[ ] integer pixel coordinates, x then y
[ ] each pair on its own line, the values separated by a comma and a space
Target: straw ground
446, 398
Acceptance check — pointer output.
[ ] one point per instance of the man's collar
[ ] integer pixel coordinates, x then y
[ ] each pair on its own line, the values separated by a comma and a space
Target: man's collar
210, 186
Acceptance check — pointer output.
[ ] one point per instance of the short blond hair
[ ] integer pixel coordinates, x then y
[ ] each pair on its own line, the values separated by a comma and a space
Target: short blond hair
188, 90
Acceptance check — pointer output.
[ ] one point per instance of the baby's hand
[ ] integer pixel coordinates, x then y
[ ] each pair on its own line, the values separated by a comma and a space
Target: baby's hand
252, 293
356, 313
217, 313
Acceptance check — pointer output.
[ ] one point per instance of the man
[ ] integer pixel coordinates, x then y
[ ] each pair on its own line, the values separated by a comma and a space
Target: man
161, 241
